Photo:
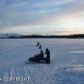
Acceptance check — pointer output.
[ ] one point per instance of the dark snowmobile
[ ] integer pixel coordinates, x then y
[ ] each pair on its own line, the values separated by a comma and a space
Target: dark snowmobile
38, 59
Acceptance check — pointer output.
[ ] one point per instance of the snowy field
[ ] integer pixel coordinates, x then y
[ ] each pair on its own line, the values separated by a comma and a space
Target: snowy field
67, 61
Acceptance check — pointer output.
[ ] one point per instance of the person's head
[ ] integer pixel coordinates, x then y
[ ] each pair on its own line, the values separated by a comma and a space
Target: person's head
46, 49
41, 51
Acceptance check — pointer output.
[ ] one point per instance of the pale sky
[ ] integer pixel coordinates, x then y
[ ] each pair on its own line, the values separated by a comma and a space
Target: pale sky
42, 16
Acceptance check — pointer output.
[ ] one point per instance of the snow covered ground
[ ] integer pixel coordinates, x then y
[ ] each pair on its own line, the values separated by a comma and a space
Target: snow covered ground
67, 61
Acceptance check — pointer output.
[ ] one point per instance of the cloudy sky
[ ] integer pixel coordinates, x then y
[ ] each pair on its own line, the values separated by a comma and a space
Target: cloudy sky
42, 16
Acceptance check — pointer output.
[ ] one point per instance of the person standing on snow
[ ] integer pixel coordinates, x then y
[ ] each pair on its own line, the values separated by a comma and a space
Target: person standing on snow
47, 59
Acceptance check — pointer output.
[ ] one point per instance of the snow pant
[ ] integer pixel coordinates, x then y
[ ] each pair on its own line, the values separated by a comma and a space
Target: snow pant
47, 60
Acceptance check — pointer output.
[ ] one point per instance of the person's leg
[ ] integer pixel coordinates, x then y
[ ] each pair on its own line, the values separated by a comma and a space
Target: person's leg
47, 60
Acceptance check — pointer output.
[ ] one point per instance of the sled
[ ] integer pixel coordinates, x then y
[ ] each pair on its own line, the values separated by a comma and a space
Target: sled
29, 62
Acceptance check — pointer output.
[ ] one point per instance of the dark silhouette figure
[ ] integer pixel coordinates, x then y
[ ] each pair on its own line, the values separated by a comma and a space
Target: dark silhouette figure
47, 59
37, 58
40, 46
37, 44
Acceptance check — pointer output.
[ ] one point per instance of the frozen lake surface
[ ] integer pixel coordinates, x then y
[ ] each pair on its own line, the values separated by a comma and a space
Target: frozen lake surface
67, 61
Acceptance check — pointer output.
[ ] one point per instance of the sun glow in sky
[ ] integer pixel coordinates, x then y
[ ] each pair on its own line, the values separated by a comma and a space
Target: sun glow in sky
42, 16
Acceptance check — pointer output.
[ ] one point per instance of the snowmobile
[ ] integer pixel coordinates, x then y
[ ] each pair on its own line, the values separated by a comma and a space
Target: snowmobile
33, 61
